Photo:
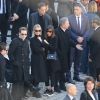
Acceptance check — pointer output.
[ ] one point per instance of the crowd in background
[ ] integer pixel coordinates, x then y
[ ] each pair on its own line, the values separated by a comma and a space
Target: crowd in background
46, 44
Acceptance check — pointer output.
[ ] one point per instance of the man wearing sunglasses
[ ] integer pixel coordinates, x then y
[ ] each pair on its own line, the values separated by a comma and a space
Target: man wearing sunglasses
19, 56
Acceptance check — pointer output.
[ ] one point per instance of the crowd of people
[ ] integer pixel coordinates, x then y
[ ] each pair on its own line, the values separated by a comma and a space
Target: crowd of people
45, 45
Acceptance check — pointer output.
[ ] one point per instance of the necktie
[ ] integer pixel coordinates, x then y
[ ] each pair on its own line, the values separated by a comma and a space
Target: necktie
78, 25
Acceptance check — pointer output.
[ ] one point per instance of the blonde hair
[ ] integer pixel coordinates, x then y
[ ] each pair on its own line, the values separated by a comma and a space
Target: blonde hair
92, 7
34, 28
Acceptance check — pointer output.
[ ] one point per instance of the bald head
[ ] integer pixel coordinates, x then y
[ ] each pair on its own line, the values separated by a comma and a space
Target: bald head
71, 89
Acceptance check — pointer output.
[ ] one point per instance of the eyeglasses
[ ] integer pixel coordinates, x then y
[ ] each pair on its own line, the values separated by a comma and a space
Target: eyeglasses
50, 31
24, 34
37, 30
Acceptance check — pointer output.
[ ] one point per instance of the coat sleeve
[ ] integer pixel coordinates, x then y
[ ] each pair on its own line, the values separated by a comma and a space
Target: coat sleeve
11, 51
35, 48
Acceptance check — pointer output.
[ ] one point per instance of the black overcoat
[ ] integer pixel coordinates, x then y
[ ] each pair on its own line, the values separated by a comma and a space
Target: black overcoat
94, 44
51, 48
38, 67
63, 48
19, 56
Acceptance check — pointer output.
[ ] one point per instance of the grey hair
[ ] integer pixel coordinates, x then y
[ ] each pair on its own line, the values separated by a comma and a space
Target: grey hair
96, 20
62, 20
69, 85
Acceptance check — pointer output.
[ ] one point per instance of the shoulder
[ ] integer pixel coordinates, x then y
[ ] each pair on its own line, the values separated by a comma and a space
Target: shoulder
66, 97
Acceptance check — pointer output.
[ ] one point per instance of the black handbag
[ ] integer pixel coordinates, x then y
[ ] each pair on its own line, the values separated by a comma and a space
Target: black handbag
52, 56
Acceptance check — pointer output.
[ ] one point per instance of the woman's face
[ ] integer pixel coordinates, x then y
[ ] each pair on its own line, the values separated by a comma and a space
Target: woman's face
90, 85
49, 32
37, 31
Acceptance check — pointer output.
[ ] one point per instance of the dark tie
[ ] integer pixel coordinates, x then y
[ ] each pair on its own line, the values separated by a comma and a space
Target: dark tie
78, 23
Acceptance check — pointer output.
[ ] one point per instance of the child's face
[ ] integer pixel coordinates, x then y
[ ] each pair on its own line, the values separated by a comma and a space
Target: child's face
4, 52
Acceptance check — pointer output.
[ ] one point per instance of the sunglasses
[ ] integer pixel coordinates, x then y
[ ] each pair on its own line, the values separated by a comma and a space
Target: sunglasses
50, 31
37, 30
24, 34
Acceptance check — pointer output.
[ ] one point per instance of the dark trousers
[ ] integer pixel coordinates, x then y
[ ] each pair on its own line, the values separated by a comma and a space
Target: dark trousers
77, 62
3, 27
51, 73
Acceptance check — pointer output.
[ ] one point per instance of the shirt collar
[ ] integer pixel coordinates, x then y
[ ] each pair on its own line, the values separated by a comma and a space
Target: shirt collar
71, 97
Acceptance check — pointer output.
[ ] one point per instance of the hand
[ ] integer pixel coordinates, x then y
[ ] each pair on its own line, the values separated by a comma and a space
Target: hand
16, 16
80, 39
40, 38
46, 41
90, 60
79, 47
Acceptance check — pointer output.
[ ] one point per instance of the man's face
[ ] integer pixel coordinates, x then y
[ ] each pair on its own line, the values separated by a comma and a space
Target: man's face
66, 25
42, 10
77, 11
23, 34
73, 90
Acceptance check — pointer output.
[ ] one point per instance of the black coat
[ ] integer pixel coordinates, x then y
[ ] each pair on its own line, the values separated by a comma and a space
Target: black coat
52, 48
63, 49
38, 67
19, 56
21, 10
85, 96
2, 68
94, 44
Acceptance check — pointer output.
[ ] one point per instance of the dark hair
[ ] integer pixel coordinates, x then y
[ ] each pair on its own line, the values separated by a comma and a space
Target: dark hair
22, 28
50, 27
77, 5
41, 4
2, 46
89, 79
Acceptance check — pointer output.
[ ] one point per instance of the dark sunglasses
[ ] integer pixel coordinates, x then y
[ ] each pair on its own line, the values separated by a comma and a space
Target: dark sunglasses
37, 30
50, 31
24, 34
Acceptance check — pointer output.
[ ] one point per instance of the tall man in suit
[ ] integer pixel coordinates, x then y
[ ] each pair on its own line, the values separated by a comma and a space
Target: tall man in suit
4, 16
79, 25
40, 17
71, 92
19, 16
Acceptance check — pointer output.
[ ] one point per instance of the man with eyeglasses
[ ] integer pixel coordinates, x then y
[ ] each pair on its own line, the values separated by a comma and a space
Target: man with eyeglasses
19, 56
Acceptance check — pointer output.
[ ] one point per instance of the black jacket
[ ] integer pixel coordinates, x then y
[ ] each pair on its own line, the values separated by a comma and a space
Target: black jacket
19, 56
85, 96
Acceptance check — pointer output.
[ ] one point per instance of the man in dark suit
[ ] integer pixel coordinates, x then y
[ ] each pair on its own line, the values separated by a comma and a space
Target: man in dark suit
4, 16
19, 16
40, 17
94, 44
63, 49
71, 92
79, 25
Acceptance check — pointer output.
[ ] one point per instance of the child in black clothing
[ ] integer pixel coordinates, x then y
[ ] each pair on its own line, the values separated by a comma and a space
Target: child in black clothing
4, 93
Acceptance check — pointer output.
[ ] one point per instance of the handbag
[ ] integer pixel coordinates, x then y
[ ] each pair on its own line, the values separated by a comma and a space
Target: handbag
52, 56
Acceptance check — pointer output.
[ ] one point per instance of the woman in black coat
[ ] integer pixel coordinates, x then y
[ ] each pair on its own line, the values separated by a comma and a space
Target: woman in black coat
89, 93
53, 65
38, 67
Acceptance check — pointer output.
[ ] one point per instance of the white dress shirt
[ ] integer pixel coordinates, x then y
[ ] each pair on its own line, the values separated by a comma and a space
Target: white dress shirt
1, 7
